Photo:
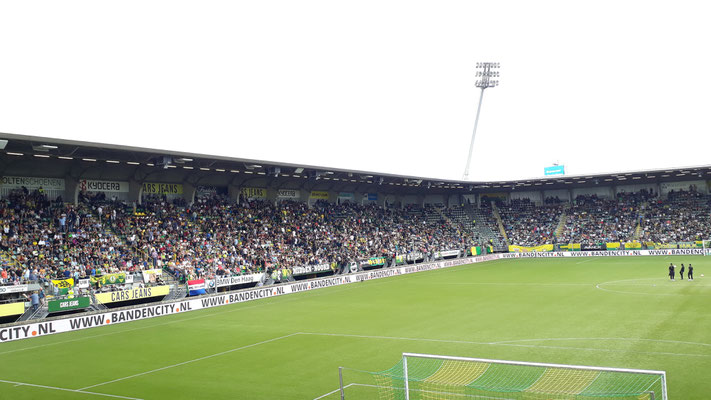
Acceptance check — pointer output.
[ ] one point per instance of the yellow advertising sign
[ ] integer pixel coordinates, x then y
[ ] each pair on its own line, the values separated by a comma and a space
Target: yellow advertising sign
12, 309
162, 188
132, 294
633, 245
253, 193
319, 195
524, 249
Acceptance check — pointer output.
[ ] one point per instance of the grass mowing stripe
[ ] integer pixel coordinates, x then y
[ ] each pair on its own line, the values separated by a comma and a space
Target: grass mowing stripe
69, 390
277, 300
506, 344
190, 361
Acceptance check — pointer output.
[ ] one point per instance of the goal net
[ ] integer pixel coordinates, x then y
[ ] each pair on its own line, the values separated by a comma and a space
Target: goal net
434, 377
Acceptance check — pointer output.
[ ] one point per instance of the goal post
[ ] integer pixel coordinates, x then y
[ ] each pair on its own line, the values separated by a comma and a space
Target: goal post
479, 378
437, 377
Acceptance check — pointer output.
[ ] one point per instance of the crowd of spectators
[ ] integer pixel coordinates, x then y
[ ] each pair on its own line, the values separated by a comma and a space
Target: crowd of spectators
219, 237
42, 239
528, 224
684, 216
592, 221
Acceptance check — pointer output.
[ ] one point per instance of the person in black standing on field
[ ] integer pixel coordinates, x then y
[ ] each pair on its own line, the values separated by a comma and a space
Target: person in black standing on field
690, 275
681, 272
671, 271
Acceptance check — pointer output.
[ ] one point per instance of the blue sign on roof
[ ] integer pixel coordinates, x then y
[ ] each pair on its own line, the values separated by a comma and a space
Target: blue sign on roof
554, 170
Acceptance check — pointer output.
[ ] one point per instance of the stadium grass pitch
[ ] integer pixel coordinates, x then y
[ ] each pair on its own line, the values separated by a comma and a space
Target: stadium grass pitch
611, 312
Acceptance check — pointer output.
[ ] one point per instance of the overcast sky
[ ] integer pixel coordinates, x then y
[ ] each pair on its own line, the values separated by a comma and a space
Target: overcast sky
384, 86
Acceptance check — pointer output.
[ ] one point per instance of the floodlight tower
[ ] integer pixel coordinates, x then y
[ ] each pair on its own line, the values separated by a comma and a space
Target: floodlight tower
485, 71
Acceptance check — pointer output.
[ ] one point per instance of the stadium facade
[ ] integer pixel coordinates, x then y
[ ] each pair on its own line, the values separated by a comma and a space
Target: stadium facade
66, 167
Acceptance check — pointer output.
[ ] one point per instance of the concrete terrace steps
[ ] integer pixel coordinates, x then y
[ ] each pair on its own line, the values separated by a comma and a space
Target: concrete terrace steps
563, 220
499, 222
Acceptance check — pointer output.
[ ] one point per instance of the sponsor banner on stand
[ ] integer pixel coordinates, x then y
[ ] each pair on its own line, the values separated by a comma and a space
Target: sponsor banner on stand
608, 253
83, 283
150, 275
448, 253
346, 196
503, 196
415, 256
32, 183
162, 188
196, 287
89, 185
111, 279
238, 280
571, 247
525, 249
83, 322
311, 269
196, 284
63, 285
288, 194
68, 304
375, 261
132, 294
319, 195
12, 309
372, 197
253, 193
14, 289
205, 191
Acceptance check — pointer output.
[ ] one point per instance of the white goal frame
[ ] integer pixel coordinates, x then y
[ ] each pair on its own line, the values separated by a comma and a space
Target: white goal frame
530, 364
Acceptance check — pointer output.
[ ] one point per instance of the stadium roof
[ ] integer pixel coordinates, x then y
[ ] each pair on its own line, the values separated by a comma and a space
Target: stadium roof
59, 157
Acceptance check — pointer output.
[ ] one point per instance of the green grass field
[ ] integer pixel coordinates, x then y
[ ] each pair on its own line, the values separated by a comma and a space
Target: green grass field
611, 312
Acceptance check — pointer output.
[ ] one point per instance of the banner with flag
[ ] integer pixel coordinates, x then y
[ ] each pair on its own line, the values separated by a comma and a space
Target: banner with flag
196, 287
110, 279
63, 285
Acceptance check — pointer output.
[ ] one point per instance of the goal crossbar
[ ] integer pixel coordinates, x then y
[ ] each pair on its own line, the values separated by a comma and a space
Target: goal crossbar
534, 364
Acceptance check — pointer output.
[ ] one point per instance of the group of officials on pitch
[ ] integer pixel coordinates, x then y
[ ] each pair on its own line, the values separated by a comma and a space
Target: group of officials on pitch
672, 269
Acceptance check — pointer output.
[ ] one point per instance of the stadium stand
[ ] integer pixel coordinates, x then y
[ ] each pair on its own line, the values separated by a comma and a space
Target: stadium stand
232, 229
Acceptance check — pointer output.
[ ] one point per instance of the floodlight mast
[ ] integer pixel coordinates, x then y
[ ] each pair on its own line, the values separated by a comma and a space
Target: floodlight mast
485, 71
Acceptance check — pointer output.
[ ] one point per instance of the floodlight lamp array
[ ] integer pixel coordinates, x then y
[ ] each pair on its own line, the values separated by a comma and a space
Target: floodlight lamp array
485, 71
486, 83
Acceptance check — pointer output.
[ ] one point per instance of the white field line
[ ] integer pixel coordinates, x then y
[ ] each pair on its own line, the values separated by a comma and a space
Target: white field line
69, 390
190, 361
506, 344
611, 339
334, 391
426, 391
599, 286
